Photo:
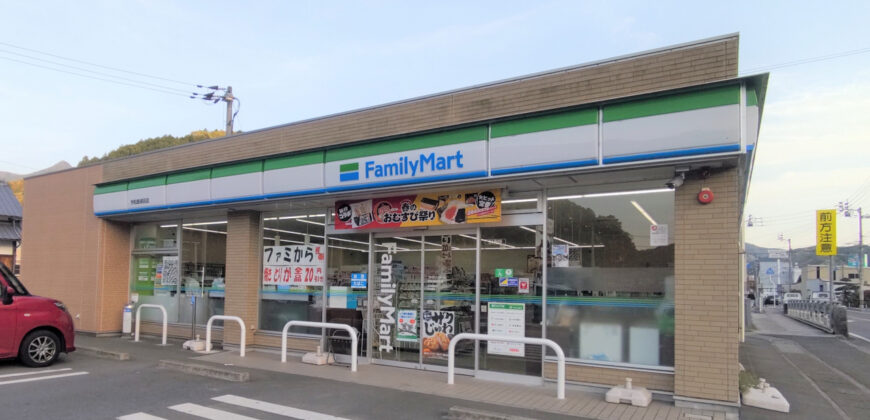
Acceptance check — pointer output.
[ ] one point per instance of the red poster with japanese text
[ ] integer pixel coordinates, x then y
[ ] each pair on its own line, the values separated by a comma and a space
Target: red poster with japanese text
420, 210
294, 265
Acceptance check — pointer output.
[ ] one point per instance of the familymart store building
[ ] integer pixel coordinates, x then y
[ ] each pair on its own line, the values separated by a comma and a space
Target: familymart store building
597, 206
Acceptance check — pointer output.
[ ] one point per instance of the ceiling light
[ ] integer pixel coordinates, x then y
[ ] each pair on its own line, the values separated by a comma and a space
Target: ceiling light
643, 212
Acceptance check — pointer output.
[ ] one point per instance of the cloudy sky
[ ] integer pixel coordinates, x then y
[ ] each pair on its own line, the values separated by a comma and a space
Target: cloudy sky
294, 60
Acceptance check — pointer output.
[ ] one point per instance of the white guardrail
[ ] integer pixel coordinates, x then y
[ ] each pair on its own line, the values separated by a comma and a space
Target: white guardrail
816, 313
225, 318
322, 325
560, 355
151, 305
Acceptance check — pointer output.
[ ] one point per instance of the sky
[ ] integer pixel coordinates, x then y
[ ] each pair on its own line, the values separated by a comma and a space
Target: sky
293, 60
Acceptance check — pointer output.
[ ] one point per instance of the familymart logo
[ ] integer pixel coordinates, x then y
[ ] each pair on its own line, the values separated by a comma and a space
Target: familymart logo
348, 172
405, 166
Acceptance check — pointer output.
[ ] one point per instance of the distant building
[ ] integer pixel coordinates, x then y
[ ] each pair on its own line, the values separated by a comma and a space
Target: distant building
10, 226
815, 278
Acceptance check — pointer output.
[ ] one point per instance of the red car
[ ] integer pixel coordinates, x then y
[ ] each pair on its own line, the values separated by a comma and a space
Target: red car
34, 329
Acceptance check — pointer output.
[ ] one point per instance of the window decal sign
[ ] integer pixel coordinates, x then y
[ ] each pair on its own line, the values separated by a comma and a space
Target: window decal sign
420, 210
439, 327
296, 265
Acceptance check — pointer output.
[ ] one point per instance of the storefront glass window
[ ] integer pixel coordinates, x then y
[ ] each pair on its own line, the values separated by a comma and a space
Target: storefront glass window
154, 268
510, 297
283, 301
610, 282
347, 296
203, 268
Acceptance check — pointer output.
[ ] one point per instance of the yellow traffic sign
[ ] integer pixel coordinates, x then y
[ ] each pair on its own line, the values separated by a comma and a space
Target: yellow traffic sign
826, 232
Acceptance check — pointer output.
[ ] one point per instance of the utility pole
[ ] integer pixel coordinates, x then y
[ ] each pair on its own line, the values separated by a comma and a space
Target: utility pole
228, 98
214, 96
844, 208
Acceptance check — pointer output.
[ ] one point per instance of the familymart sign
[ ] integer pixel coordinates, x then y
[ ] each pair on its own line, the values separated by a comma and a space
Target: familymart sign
433, 157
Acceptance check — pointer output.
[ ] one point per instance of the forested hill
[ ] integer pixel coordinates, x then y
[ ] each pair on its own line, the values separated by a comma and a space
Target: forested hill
153, 143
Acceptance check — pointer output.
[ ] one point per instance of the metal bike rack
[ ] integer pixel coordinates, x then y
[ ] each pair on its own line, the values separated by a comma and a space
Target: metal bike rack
225, 318
560, 355
322, 325
151, 305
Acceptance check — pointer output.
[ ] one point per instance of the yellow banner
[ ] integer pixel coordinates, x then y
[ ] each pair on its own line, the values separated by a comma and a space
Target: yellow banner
826, 232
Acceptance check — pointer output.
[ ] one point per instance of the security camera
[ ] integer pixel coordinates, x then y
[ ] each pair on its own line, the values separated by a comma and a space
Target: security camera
676, 181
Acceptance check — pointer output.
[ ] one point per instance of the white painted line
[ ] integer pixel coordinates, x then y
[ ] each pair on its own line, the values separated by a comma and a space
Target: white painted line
41, 378
858, 336
140, 416
282, 410
208, 412
34, 372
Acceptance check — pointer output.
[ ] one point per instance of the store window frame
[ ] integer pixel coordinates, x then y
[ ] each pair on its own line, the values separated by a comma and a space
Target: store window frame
134, 252
276, 215
545, 198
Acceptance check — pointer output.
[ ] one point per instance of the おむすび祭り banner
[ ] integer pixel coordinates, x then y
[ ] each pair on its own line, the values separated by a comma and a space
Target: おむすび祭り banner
419, 210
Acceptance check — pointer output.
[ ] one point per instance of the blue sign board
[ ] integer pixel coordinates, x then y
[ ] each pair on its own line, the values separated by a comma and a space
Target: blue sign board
358, 280
769, 271
509, 282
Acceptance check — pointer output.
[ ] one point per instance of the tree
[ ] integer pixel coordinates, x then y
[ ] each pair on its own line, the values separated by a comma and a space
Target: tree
17, 187
153, 143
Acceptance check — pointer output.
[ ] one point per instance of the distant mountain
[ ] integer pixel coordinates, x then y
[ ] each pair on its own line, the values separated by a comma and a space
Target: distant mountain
803, 256
9, 176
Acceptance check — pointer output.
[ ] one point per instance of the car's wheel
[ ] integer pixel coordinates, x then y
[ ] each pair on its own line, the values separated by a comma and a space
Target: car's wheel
39, 349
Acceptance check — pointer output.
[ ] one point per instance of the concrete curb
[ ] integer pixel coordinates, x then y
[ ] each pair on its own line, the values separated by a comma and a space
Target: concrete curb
105, 354
205, 370
464, 413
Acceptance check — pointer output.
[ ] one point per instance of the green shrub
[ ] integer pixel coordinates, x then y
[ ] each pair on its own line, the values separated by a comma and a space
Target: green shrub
747, 380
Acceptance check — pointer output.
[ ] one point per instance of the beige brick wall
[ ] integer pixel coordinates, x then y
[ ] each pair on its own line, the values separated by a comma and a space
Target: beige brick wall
181, 331
242, 273
114, 281
707, 289
658, 381
61, 237
659, 71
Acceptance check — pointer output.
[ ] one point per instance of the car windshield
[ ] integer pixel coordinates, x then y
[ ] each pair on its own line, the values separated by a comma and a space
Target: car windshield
12, 281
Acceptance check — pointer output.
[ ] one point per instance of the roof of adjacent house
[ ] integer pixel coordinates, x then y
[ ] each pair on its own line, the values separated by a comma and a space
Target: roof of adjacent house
9, 205
10, 232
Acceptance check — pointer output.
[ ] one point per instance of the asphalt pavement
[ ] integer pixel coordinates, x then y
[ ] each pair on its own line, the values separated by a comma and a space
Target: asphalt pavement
821, 375
81, 386
859, 324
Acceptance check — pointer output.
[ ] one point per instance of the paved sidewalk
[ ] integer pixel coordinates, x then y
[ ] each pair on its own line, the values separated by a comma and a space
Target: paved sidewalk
541, 399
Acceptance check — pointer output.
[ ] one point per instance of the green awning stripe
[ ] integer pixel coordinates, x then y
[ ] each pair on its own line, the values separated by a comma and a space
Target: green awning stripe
349, 167
189, 176
751, 97
147, 182
544, 123
293, 161
728, 95
110, 188
237, 169
445, 138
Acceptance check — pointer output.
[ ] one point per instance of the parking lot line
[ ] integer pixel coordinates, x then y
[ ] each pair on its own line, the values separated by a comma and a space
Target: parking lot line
33, 372
208, 412
42, 378
275, 408
140, 416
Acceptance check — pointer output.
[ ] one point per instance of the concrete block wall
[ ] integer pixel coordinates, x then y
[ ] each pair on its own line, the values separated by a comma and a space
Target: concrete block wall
707, 289
244, 253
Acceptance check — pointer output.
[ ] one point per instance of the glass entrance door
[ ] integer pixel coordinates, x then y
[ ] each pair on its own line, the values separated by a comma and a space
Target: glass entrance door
424, 293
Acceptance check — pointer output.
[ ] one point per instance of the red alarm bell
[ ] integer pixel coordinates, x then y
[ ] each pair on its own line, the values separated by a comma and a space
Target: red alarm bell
705, 196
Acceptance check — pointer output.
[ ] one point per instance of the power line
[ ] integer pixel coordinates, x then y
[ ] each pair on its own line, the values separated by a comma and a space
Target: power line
93, 77
807, 60
98, 65
95, 72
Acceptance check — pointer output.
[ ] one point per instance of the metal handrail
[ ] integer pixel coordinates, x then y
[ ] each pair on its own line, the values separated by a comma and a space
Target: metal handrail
322, 325
151, 305
560, 355
225, 318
